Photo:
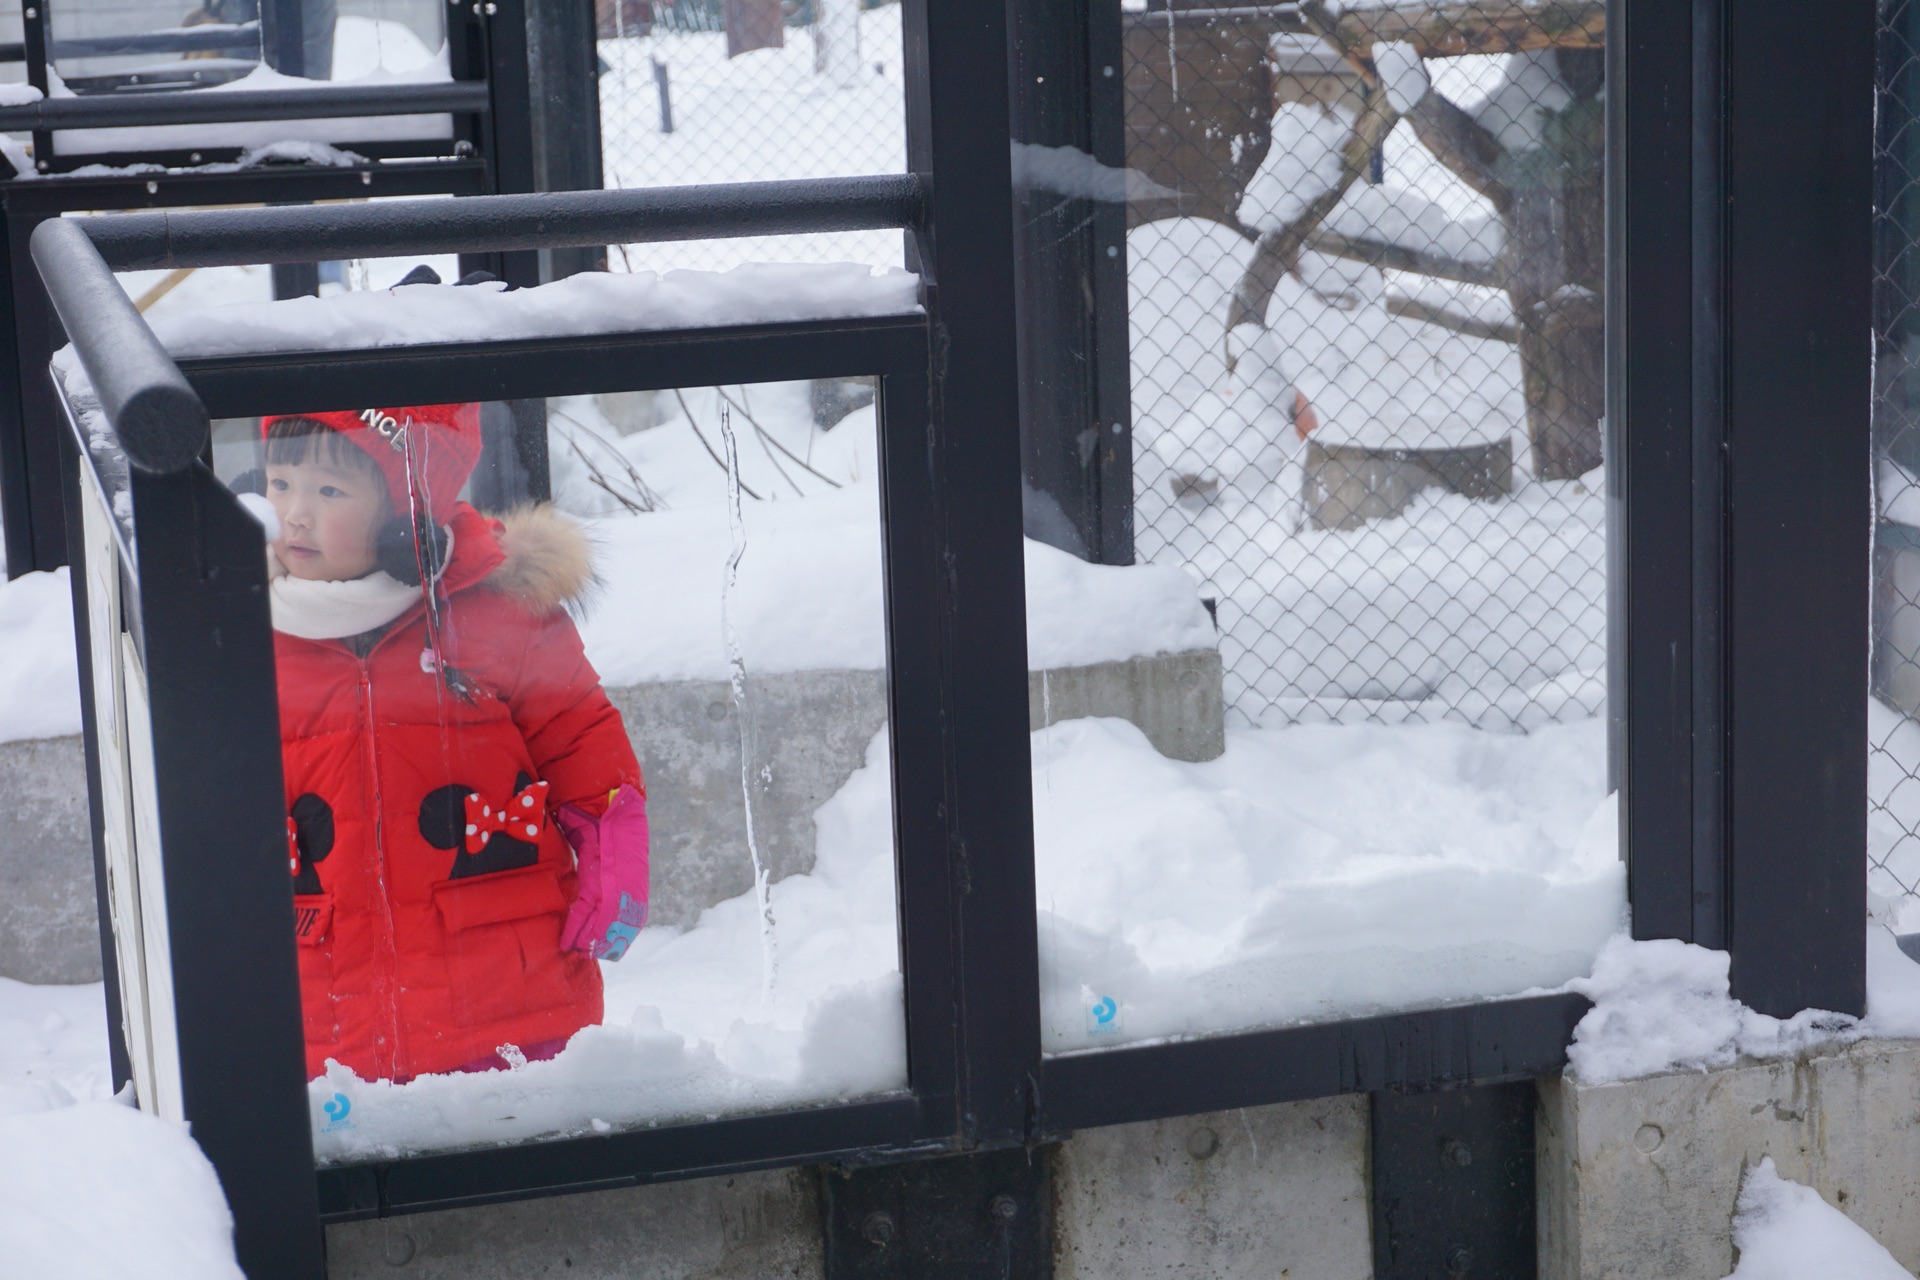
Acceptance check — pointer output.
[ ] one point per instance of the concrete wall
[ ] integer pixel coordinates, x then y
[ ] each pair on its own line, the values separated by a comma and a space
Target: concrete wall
47, 913
1639, 1179
812, 730
1266, 1192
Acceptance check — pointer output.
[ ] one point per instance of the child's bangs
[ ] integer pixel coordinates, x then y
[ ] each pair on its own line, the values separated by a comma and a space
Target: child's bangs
293, 442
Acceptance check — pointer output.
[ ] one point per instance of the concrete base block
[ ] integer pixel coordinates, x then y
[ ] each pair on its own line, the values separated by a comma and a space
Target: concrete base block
47, 911
1348, 485
754, 1226
1264, 1192
811, 728
1639, 1179
1268, 1192
1177, 699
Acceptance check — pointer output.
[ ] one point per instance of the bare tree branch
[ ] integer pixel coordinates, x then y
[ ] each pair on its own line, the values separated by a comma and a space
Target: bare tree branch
1399, 257
1472, 326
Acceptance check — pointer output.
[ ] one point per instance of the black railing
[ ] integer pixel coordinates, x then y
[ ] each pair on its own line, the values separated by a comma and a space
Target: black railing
551, 220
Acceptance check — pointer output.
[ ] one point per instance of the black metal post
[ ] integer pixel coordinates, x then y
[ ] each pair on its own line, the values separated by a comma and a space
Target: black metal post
957, 136
563, 62
1653, 668
221, 817
1799, 360
1071, 277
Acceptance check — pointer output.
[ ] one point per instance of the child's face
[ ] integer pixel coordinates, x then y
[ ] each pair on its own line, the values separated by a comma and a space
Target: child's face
329, 517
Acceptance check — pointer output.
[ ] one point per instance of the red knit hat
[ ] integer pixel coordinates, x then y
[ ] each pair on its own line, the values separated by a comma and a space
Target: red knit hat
442, 439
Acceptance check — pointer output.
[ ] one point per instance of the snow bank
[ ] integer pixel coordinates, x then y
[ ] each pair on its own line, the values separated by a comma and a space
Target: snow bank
1785, 1231
590, 303
808, 596
53, 1047
100, 1191
1310, 873
40, 677
1664, 1005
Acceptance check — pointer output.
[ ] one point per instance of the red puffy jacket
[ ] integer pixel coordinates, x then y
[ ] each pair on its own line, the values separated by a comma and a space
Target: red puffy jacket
426, 944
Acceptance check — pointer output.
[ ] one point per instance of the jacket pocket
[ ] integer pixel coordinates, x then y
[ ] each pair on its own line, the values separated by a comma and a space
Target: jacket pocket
502, 930
506, 895
313, 932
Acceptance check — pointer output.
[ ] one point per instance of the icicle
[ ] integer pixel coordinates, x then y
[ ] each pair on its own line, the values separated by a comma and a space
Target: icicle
737, 667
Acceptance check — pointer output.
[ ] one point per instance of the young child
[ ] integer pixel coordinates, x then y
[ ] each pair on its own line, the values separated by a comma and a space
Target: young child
441, 729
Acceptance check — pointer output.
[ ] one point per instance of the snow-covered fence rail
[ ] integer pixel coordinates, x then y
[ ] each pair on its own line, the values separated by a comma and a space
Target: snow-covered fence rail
142, 241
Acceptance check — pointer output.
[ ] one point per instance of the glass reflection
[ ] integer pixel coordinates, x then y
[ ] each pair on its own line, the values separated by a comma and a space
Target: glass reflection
589, 809
1325, 739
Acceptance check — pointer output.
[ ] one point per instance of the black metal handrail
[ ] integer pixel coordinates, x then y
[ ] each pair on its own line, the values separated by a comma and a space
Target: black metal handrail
159, 420
550, 220
240, 106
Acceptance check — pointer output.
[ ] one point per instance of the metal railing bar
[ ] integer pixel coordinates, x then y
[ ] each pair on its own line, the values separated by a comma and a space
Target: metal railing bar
158, 418
550, 220
328, 102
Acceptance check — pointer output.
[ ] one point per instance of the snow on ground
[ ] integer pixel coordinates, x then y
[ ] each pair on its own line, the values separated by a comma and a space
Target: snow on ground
40, 678
1785, 1231
1664, 1005
761, 116
72, 1159
100, 1191
1311, 872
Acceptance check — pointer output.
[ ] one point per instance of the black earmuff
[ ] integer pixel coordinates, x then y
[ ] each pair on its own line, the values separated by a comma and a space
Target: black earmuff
404, 551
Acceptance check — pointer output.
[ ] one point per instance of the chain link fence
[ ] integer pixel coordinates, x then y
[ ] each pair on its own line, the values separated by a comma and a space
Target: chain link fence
697, 91
1893, 764
1367, 352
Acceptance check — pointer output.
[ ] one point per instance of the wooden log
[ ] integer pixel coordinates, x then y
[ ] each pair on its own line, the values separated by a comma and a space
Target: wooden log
1400, 257
1472, 326
1448, 30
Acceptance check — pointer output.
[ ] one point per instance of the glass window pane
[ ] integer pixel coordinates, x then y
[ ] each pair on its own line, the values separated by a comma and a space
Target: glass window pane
597, 831
1326, 738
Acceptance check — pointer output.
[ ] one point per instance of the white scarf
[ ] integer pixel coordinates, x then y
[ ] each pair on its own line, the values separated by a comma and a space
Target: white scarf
315, 610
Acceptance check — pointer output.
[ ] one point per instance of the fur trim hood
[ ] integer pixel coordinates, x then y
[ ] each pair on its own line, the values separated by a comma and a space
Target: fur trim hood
549, 559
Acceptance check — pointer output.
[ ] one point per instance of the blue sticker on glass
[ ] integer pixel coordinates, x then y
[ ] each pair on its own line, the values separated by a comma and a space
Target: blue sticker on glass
1103, 1016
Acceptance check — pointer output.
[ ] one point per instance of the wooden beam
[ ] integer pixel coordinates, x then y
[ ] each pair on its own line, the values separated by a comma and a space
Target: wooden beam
1448, 30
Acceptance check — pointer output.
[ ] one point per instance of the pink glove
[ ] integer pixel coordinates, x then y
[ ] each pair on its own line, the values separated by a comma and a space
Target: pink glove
611, 907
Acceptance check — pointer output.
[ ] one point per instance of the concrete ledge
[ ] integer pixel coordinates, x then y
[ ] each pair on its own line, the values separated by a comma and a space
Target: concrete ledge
1639, 1179
47, 910
812, 730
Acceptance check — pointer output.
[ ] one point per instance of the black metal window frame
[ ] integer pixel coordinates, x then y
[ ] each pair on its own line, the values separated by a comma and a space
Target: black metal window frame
493, 149
1721, 350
